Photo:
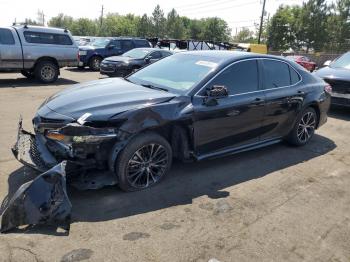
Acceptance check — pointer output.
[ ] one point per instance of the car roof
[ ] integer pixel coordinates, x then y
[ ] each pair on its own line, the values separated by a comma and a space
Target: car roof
41, 29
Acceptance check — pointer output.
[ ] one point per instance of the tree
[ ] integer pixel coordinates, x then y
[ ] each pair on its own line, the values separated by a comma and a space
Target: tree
84, 27
244, 36
61, 21
216, 29
159, 22
144, 27
175, 26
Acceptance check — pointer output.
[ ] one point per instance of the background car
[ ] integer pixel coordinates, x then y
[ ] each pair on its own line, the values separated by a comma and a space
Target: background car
131, 61
92, 55
304, 61
337, 74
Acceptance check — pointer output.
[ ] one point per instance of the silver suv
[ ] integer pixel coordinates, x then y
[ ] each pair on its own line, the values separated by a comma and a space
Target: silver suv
36, 52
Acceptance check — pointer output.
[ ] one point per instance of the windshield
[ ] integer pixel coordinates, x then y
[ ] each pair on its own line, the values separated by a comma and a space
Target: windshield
342, 62
137, 53
178, 73
102, 42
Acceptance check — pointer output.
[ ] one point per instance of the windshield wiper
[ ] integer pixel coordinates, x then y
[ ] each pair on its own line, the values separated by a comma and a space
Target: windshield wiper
155, 87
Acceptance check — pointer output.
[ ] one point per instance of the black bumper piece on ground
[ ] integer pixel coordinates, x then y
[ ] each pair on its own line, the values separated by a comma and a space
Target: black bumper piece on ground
43, 200
340, 99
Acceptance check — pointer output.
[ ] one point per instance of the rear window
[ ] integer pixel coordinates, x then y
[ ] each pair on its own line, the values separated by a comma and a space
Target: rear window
276, 74
142, 43
47, 38
294, 76
6, 37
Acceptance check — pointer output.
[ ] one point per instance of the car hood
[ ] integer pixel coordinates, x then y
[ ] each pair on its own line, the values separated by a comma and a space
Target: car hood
119, 59
334, 73
104, 98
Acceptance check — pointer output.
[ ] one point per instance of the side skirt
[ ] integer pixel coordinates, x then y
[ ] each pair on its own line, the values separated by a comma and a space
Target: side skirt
236, 150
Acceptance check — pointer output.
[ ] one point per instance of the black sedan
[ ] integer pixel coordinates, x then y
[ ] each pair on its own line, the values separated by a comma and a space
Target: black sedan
191, 106
337, 74
131, 61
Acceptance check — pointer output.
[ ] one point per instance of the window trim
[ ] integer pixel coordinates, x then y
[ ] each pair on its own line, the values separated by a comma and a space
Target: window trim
259, 74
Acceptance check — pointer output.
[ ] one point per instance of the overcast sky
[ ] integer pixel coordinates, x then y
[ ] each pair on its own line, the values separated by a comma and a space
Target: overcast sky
237, 13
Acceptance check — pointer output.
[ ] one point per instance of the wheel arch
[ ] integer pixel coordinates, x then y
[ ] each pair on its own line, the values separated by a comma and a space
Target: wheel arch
47, 58
314, 105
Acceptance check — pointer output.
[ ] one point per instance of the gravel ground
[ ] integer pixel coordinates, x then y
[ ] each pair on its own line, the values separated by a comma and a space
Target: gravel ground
273, 204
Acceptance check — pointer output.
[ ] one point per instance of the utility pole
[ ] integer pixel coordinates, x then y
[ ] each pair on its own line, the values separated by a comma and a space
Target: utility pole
101, 18
261, 21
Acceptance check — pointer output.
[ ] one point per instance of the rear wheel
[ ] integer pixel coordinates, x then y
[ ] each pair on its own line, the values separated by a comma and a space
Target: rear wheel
304, 128
95, 63
46, 72
143, 162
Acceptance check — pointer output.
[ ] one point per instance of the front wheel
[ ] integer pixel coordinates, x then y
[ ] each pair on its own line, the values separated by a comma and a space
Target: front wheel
304, 128
143, 162
95, 63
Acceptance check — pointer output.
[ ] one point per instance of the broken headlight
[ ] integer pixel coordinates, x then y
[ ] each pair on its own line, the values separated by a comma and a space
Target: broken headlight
86, 138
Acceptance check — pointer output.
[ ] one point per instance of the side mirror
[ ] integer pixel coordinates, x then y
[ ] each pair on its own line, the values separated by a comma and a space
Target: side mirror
213, 93
148, 59
217, 91
327, 63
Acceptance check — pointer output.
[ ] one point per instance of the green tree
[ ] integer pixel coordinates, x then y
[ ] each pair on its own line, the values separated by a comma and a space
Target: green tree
144, 26
215, 29
159, 22
61, 21
175, 26
244, 36
84, 27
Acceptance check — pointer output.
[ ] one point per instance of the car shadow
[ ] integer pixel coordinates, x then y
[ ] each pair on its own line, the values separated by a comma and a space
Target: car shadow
184, 183
341, 113
25, 82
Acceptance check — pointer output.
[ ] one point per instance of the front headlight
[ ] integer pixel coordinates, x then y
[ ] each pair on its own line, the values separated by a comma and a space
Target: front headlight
82, 52
96, 138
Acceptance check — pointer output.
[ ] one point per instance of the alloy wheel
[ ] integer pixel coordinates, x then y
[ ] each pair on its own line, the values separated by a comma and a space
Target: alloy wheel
306, 127
147, 165
47, 73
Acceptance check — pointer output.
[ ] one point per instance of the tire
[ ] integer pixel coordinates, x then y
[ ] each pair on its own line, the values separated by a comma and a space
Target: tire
95, 63
304, 128
134, 166
28, 74
46, 72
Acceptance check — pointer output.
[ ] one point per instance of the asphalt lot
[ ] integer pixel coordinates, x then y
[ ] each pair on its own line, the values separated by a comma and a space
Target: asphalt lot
273, 204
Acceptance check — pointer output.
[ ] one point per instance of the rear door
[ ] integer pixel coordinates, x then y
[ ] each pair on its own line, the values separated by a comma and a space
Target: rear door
10, 49
284, 96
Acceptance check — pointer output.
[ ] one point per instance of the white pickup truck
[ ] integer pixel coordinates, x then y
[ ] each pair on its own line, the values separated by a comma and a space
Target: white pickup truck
37, 52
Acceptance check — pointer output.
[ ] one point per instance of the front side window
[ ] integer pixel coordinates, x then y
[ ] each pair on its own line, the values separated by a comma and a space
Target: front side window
115, 44
6, 37
155, 55
127, 45
47, 38
239, 78
276, 74
100, 42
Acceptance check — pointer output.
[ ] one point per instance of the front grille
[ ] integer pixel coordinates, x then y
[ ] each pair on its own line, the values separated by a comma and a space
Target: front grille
339, 86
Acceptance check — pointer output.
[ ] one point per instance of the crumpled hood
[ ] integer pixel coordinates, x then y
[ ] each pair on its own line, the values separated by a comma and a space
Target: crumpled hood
104, 98
334, 73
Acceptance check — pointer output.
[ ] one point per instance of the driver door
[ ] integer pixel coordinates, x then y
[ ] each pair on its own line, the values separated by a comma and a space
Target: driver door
114, 48
221, 123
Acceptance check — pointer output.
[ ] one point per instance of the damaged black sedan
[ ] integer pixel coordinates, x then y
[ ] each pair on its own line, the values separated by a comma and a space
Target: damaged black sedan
190, 106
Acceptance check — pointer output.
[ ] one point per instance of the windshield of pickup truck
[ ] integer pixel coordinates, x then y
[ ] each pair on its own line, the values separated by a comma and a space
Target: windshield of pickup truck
102, 42
342, 62
137, 53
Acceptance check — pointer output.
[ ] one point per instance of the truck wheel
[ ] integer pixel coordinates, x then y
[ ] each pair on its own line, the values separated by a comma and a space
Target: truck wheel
46, 72
143, 162
94, 63
28, 74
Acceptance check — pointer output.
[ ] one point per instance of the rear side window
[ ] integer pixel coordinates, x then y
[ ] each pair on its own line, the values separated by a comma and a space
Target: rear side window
6, 37
127, 45
155, 55
239, 78
141, 43
294, 76
276, 74
165, 54
47, 38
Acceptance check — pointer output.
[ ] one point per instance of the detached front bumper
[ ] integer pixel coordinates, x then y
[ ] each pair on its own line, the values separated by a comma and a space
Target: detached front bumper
340, 99
30, 150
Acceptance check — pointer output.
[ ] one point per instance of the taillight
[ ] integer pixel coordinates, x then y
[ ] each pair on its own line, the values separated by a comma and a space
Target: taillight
328, 89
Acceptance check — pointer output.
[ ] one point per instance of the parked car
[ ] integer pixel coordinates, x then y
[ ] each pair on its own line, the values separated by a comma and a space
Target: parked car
337, 74
36, 52
100, 48
303, 61
191, 106
131, 61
